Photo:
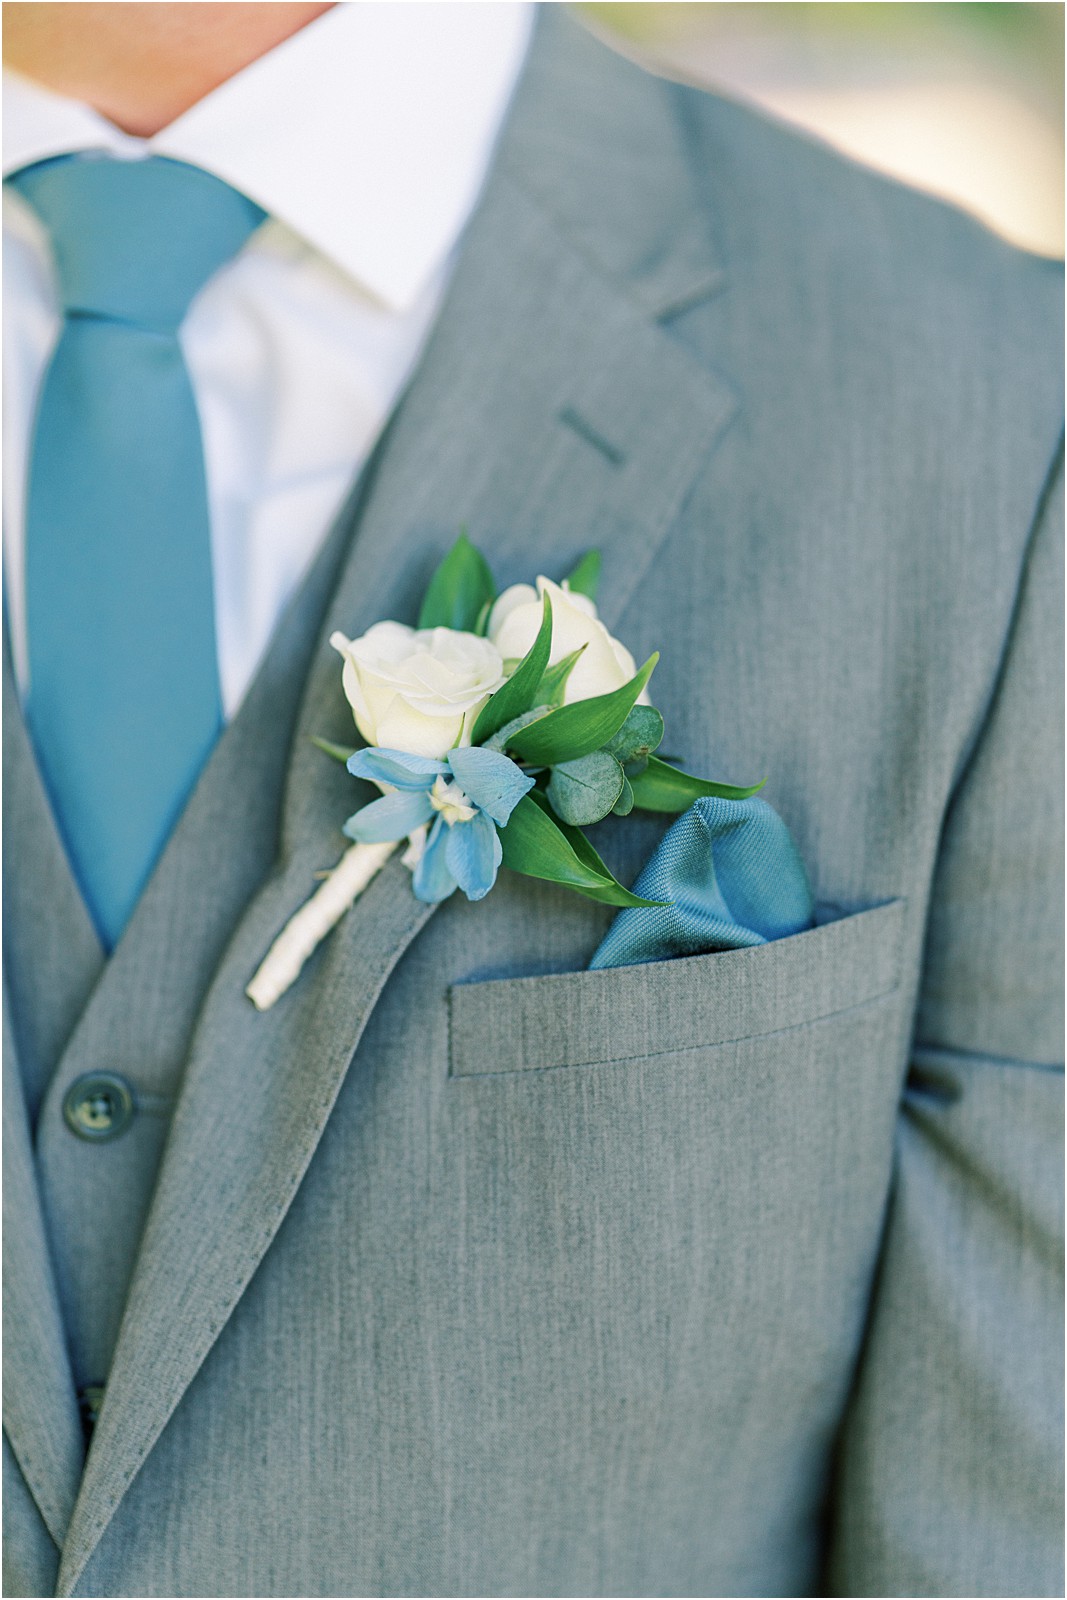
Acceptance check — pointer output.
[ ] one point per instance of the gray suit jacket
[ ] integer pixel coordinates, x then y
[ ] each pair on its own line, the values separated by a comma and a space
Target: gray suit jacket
466, 1271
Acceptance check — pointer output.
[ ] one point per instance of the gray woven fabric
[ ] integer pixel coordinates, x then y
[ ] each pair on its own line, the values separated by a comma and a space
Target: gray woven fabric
467, 1270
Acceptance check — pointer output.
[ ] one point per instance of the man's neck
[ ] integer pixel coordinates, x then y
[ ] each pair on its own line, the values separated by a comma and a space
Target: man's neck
142, 65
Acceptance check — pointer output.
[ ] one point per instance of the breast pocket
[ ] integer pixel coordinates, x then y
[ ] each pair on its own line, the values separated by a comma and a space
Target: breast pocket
671, 1008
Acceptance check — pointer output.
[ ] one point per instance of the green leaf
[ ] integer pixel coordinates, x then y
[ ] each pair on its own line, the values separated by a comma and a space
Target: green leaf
664, 788
499, 741
586, 725
536, 846
481, 625
550, 692
520, 691
584, 791
585, 579
585, 853
625, 803
340, 752
638, 736
459, 589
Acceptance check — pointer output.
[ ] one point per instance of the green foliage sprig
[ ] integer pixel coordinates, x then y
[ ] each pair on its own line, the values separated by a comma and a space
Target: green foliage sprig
591, 758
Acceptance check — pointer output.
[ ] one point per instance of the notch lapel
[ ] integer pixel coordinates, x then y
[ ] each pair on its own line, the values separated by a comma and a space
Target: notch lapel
550, 413
46, 982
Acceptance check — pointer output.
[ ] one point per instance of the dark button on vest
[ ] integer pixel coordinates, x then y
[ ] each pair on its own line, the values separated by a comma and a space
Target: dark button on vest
98, 1105
90, 1399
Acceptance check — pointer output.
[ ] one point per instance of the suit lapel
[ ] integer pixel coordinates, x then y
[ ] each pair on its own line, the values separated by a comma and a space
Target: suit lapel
47, 981
550, 413
40, 1405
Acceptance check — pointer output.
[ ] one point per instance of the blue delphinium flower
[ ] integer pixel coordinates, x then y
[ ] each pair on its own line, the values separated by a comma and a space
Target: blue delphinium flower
462, 797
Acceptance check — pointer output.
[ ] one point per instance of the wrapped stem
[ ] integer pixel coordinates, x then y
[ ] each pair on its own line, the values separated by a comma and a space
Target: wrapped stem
305, 931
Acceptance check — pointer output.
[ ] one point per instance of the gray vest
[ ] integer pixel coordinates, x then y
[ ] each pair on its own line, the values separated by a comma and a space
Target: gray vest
80, 1020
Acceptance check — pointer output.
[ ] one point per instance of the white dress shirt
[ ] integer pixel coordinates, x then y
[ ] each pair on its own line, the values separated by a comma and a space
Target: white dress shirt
366, 137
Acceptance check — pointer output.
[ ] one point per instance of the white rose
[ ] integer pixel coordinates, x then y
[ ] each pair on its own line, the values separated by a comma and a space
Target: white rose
418, 690
603, 665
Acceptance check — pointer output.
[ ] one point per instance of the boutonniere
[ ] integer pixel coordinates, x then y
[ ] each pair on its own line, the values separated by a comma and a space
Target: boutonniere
496, 729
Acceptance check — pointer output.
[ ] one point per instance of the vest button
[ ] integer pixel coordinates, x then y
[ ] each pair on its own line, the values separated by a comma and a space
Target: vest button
90, 1399
98, 1105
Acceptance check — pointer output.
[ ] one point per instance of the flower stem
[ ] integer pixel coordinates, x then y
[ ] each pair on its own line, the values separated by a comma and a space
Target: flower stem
305, 931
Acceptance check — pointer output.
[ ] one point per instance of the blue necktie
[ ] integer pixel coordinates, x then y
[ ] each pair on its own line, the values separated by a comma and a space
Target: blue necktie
123, 702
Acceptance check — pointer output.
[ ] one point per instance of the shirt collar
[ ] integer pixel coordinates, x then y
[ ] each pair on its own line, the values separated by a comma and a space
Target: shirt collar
368, 132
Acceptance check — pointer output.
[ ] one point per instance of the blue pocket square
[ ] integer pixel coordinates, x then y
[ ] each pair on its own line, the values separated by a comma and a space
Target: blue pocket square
734, 877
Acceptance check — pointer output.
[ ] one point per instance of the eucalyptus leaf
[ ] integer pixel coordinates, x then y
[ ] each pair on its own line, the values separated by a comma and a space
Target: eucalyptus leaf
585, 578
517, 694
554, 682
665, 788
499, 740
638, 736
586, 725
459, 589
625, 803
339, 752
584, 791
538, 846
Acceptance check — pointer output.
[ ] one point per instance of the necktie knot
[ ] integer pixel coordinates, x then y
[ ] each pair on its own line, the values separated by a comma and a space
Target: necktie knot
135, 241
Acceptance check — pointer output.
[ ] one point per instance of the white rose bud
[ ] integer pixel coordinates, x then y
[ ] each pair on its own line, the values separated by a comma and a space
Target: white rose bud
418, 690
603, 665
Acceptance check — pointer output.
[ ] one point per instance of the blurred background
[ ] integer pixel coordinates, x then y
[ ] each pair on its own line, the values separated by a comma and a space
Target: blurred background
963, 100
